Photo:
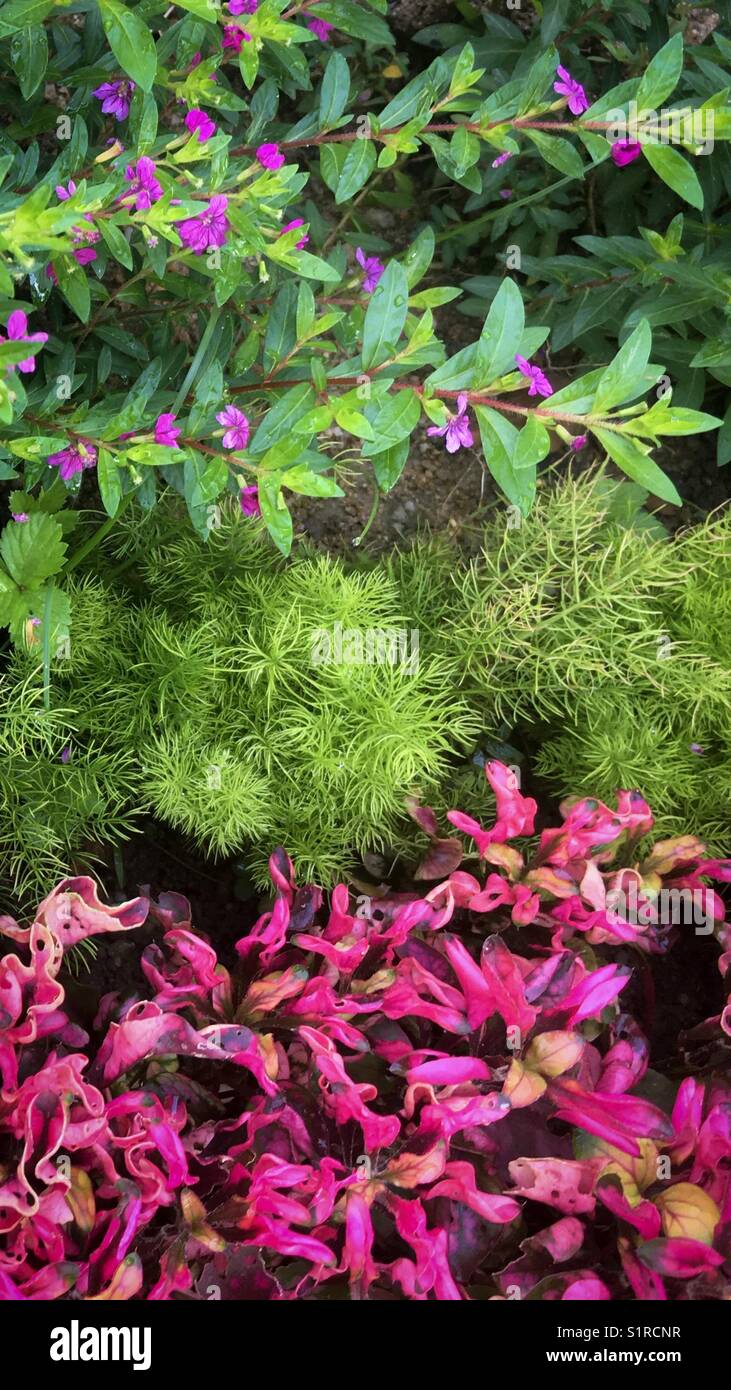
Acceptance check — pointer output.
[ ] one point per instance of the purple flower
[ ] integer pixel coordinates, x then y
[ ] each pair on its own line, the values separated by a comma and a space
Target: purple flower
319, 27
625, 152
249, 499
65, 193
539, 384
200, 121
143, 184
115, 98
573, 91
501, 159
65, 754
697, 748
18, 332
85, 255
506, 192
20, 516
298, 222
242, 6
165, 432
579, 441
236, 427
270, 156
233, 37
457, 429
73, 459
209, 228
373, 269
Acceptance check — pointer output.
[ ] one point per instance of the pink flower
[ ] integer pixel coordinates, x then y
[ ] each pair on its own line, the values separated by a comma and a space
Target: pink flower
539, 384
165, 432
236, 427
200, 121
319, 27
65, 193
115, 98
501, 159
73, 459
571, 89
242, 6
18, 332
373, 269
249, 499
270, 156
233, 37
209, 228
85, 255
144, 187
298, 222
457, 429
579, 441
20, 516
625, 152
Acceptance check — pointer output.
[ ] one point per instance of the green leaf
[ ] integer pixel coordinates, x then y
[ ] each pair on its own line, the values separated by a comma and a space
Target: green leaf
301, 479
358, 165
114, 238
334, 90
676, 171
638, 466
21, 14
625, 370
130, 41
276, 515
389, 465
500, 444
398, 416
109, 481
661, 75
419, 255
354, 422
501, 334
385, 316
29, 53
724, 440
33, 550
557, 152
349, 18
74, 286
283, 416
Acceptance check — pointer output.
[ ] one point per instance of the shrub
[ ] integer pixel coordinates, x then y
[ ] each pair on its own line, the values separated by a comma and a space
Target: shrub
198, 321
341, 1113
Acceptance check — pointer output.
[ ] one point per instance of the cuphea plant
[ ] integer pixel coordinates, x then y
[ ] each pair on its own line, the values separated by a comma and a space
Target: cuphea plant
342, 1110
208, 325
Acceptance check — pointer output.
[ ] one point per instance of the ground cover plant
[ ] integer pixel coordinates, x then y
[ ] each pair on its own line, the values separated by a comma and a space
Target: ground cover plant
204, 684
373, 1103
257, 259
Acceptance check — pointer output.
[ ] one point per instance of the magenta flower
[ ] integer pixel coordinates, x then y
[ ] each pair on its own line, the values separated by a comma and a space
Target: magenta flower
63, 194
144, 187
539, 384
506, 192
233, 37
18, 332
579, 441
373, 269
270, 156
501, 159
115, 98
209, 228
236, 427
249, 499
73, 459
319, 27
65, 753
457, 429
165, 432
200, 121
85, 255
298, 222
242, 6
20, 516
625, 152
573, 91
